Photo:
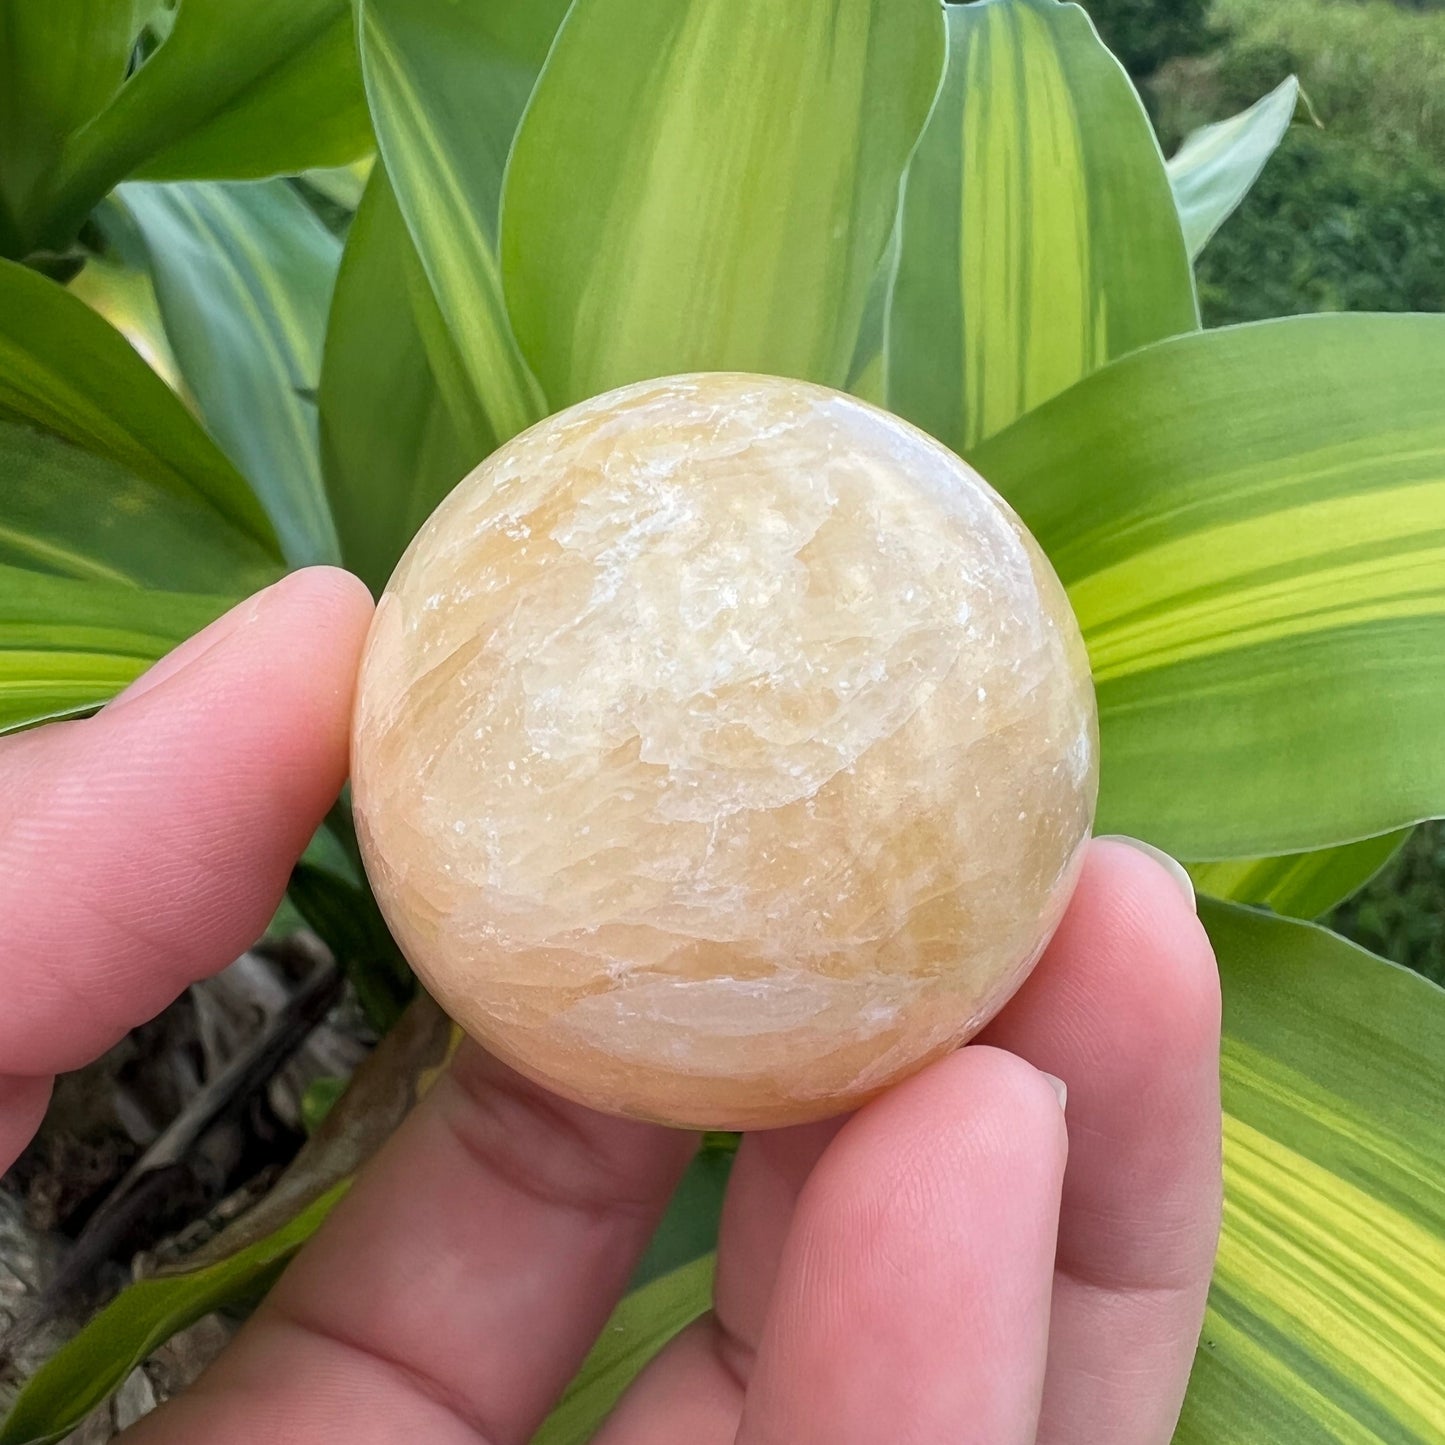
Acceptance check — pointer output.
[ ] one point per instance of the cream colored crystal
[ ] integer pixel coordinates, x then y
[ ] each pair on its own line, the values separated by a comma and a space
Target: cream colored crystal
723, 751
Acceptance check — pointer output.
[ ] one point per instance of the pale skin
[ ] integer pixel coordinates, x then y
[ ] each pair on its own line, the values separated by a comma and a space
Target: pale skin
961, 1262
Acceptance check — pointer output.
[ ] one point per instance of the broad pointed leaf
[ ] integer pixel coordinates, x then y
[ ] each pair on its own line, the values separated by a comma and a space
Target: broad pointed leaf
710, 184
237, 89
244, 274
65, 371
59, 65
1211, 173
1251, 526
640, 1326
1299, 885
1039, 234
391, 447
447, 85
307, 110
1327, 1317
68, 645
68, 512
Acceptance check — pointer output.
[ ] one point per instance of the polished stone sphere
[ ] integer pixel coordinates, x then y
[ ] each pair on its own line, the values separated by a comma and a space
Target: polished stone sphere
724, 751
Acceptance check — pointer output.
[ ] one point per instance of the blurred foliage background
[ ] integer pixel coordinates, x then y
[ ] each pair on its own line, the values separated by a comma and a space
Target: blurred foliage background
1349, 215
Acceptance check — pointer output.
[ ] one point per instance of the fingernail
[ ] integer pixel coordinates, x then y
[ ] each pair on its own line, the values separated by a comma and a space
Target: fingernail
1059, 1087
1172, 866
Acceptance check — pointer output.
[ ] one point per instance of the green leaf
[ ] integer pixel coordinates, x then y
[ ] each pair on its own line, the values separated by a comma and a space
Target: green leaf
640, 1326
447, 84
391, 448
1327, 1317
319, 1100
333, 848
689, 1229
1039, 235
244, 274
59, 65
1211, 173
85, 1371
68, 645
343, 186
330, 890
1299, 885
307, 111
65, 371
238, 89
68, 512
867, 373
347, 918
1251, 527
710, 185
126, 297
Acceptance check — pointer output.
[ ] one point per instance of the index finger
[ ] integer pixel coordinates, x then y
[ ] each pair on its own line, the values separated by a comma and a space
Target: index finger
1124, 1008
146, 847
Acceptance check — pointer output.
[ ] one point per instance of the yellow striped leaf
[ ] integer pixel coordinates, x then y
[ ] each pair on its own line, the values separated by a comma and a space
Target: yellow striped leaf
1299, 885
1251, 526
243, 273
1327, 1316
710, 184
1039, 235
68, 644
447, 84
391, 447
72, 514
67, 372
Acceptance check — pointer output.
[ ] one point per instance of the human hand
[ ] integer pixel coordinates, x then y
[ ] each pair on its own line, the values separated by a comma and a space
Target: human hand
923, 1273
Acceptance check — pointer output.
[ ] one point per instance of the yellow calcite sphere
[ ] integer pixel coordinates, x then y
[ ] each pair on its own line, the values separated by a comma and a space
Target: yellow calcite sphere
723, 751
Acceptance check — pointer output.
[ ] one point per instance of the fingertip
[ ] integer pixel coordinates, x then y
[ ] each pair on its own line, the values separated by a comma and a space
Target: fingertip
981, 1115
1132, 909
1177, 872
958, 1085
1138, 884
915, 1282
268, 687
317, 623
327, 602
323, 611
332, 593
1003, 1106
